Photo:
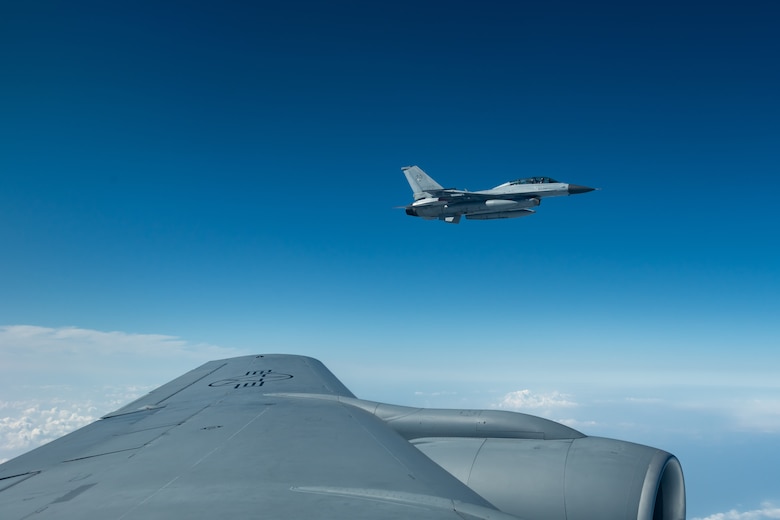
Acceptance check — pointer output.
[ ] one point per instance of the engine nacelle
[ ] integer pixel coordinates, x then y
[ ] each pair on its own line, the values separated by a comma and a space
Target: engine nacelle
567, 479
534, 468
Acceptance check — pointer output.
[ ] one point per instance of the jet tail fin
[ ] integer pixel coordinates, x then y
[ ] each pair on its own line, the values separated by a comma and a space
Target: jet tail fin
420, 181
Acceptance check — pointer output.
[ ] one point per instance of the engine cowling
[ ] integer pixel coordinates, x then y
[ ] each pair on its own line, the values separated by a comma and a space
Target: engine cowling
534, 468
566, 479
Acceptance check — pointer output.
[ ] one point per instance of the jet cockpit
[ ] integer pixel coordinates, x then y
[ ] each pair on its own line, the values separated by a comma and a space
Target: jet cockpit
529, 180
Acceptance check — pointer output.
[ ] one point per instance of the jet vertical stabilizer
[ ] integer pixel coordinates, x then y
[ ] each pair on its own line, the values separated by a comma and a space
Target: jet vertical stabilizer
420, 182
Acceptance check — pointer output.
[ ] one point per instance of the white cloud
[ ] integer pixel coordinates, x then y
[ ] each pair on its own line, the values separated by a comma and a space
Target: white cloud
644, 400
761, 415
435, 394
28, 340
30, 422
547, 405
767, 511
32, 355
54, 380
26, 425
526, 400
578, 424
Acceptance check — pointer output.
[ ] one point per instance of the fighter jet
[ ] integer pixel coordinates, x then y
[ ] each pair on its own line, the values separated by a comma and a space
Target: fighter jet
509, 200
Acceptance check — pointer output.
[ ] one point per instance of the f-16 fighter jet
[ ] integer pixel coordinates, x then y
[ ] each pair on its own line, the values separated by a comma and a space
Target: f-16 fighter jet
509, 200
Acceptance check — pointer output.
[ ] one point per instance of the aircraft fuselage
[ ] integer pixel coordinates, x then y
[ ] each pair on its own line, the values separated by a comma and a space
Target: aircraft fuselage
509, 200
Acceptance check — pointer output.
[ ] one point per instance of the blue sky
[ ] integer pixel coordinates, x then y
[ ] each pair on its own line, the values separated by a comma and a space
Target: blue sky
193, 180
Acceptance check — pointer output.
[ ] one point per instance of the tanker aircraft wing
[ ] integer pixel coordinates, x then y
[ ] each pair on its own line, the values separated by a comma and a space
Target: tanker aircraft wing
278, 436
509, 200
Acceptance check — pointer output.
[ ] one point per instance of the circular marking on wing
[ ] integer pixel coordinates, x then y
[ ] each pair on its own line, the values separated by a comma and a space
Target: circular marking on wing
254, 378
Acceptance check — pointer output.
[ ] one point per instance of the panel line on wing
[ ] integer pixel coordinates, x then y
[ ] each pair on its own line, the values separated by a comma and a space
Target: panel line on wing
147, 499
7, 482
207, 455
153, 400
409, 499
189, 385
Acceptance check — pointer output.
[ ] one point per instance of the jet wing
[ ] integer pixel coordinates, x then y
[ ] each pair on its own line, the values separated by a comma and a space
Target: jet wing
231, 440
452, 196
448, 196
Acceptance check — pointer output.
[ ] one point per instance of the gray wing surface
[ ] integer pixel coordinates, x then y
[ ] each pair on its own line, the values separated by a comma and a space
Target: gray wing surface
225, 441
479, 196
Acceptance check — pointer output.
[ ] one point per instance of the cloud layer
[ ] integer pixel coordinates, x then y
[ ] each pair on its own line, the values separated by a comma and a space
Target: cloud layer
527, 400
767, 511
28, 424
54, 380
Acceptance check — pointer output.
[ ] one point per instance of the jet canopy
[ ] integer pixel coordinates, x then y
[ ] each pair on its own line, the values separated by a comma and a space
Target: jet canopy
529, 180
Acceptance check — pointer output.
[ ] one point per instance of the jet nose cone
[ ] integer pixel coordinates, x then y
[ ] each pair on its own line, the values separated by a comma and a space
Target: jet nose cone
574, 189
